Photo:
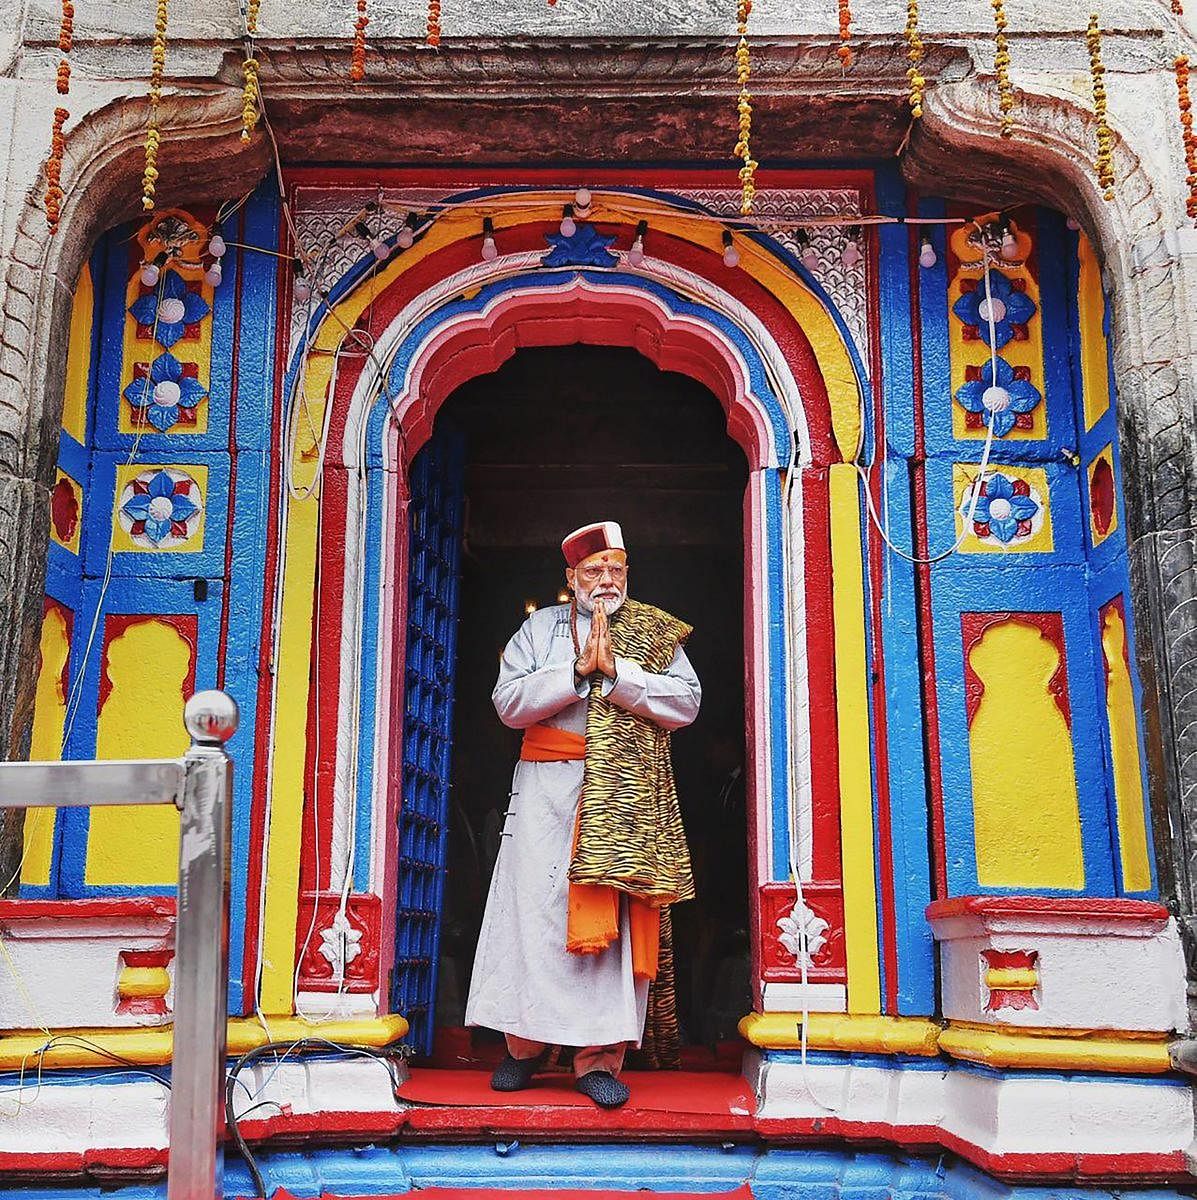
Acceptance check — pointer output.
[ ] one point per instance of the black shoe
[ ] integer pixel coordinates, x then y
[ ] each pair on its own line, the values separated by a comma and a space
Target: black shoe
515, 1074
603, 1088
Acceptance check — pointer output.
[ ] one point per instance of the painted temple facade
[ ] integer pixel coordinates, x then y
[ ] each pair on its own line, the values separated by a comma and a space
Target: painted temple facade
954, 937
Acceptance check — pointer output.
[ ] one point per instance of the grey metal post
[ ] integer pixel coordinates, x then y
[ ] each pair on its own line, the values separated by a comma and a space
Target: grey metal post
196, 1164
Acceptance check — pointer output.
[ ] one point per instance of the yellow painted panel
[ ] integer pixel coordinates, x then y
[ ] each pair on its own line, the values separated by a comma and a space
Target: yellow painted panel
864, 1033
1026, 817
49, 721
1124, 750
1039, 540
1027, 353
1091, 308
74, 400
852, 718
1131, 1053
147, 666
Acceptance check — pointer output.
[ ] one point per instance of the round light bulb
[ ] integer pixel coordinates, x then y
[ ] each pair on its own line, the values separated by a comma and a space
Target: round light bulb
379, 248
568, 227
927, 255
149, 274
216, 246
731, 256
636, 253
1073, 224
851, 255
995, 399
212, 275
406, 238
810, 258
303, 289
489, 250
1009, 250
582, 199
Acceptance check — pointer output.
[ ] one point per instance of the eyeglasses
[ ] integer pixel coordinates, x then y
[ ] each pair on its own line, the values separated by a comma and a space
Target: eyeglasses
595, 572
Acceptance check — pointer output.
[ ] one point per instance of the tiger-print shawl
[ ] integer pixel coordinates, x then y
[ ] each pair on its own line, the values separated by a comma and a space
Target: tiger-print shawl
629, 833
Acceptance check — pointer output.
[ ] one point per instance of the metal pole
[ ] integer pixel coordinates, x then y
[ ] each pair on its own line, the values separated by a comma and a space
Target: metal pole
196, 1167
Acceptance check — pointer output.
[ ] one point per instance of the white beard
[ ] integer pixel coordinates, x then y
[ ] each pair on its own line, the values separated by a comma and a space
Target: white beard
586, 602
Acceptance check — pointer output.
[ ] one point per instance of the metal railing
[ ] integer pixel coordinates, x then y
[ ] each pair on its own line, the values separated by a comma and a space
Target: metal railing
199, 784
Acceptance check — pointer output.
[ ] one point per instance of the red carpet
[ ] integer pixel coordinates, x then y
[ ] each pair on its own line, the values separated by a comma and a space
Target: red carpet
662, 1101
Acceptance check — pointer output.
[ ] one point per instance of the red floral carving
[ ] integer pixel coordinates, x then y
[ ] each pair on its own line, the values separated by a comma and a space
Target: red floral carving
315, 971
825, 899
1015, 998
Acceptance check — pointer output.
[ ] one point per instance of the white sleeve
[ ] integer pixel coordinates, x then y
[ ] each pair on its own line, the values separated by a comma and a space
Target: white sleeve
670, 699
525, 694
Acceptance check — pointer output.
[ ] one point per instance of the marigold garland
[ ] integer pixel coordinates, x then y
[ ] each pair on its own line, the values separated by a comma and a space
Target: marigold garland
1105, 136
845, 49
434, 23
251, 88
54, 170
1001, 68
744, 109
357, 65
1185, 104
149, 176
62, 83
915, 52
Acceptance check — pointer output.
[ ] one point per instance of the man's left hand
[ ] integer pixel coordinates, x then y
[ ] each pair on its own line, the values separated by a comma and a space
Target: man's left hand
606, 657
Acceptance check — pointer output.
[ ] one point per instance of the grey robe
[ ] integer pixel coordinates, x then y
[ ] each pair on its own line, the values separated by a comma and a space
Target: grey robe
525, 982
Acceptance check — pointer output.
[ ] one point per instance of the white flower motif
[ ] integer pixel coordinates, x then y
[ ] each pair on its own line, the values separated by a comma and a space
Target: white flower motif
803, 924
340, 943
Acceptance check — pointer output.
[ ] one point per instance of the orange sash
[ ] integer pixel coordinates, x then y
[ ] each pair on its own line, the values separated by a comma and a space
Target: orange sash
593, 922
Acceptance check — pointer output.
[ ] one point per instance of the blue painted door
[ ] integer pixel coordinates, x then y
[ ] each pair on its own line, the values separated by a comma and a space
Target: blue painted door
436, 482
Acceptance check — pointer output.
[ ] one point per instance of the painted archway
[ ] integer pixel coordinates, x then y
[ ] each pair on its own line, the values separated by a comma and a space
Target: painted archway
762, 338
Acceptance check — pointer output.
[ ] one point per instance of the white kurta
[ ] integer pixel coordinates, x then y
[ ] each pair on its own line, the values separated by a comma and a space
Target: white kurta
525, 982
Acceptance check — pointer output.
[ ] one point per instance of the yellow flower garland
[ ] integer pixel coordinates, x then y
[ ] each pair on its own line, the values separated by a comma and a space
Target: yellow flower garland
153, 139
1105, 135
251, 107
915, 53
744, 109
1001, 68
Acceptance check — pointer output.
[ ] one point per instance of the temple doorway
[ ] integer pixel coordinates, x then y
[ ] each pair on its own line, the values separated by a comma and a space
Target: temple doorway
558, 437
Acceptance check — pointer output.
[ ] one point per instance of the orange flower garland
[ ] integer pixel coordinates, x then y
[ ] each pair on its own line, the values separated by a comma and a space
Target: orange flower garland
1185, 104
915, 53
434, 22
62, 83
744, 109
1105, 136
251, 94
149, 176
845, 50
357, 66
1001, 68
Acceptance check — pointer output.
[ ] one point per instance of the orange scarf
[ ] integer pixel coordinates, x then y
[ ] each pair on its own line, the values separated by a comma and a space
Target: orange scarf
593, 922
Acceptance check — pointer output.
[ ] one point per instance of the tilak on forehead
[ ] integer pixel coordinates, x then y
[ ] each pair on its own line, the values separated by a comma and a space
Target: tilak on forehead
601, 542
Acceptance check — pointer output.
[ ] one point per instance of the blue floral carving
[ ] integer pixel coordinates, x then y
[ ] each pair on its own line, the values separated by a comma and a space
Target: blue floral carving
165, 391
585, 248
1024, 396
159, 507
1004, 509
174, 305
1008, 307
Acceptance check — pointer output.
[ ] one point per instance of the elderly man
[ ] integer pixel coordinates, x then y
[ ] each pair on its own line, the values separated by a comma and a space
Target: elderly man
593, 848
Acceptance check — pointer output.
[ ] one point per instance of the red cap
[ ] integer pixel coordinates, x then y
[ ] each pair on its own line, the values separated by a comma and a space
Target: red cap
591, 539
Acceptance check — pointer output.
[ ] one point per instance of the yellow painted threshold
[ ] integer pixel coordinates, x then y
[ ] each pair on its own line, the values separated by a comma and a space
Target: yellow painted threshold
1128, 1053
863, 1033
104, 1047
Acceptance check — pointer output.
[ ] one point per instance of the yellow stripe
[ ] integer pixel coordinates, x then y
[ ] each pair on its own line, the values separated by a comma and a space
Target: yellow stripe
153, 1046
143, 981
1096, 1052
852, 713
842, 1031
1018, 979
1091, 306
78, 371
